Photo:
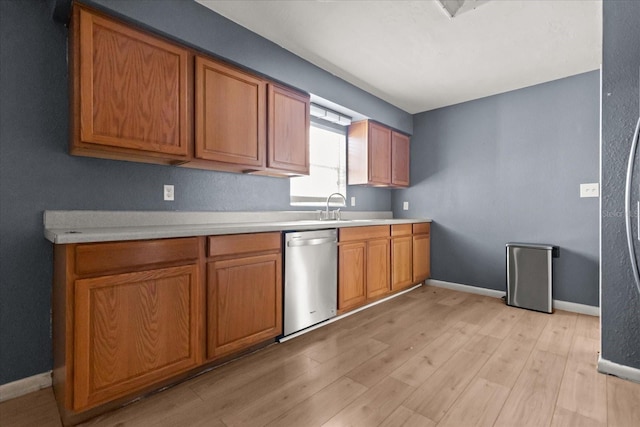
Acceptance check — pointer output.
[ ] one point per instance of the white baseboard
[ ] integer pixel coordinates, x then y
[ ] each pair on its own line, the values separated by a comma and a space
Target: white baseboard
626, 372
589, 310
25, 386
557, 304
466, 288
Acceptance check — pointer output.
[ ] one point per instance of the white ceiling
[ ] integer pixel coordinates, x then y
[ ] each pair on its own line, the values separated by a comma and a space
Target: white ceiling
414, 56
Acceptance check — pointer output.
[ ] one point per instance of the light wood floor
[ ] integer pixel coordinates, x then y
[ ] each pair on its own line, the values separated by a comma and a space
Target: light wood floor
432, 357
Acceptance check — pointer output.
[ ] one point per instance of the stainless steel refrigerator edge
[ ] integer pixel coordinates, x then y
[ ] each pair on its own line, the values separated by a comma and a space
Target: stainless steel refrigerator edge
310, 278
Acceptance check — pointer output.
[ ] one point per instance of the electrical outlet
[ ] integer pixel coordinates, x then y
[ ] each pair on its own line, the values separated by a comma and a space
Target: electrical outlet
405, 206
169, 193
589, 190
353, 200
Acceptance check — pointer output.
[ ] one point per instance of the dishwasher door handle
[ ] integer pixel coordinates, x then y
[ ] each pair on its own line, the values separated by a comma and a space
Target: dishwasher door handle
311, 242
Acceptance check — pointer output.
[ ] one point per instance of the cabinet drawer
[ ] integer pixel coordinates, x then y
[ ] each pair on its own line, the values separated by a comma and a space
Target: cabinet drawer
363, 233
401, 230
243, 243
421, 228
108, 257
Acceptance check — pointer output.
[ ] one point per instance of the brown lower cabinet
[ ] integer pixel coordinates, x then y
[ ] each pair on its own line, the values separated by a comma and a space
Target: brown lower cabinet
244, 293
363, 265
401, 256
130, 317
421, 251
125, 315
376, 261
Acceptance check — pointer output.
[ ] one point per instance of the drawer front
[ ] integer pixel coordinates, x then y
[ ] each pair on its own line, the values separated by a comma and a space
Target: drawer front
421, 228
401, 230
243, 243
98, 258
350, 234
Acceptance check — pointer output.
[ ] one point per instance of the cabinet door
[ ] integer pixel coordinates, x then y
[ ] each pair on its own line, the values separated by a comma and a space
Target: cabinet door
132, 89
230, 115
378, 263
244, 303
288, 146
379, 154
351, 275
132, 330
421, 257
399, 159
402, 262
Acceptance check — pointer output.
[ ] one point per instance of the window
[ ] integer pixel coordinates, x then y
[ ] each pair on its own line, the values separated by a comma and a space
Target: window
327, 168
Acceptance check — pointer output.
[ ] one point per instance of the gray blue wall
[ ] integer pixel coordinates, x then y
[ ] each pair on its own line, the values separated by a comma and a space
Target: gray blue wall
508, 168
620, 109
37, 174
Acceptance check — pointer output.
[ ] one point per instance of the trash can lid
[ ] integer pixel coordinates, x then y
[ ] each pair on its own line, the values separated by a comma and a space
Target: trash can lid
532, 246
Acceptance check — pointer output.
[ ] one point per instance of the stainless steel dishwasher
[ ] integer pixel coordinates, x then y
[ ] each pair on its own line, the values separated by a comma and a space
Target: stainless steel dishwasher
310, 278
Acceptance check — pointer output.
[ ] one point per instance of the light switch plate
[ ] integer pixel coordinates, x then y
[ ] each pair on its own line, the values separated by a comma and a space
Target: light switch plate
590, 190
168, 193
353, 200
405, 206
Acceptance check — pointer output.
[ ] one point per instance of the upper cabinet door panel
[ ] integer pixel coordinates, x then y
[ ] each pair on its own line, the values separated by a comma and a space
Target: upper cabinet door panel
399, 159
379, 154
134, 89
288, 148
230, 115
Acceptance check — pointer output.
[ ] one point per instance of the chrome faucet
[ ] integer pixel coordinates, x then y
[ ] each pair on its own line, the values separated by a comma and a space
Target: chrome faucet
336, 213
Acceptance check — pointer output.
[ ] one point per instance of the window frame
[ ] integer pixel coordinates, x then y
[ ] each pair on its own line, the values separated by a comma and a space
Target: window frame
317, 201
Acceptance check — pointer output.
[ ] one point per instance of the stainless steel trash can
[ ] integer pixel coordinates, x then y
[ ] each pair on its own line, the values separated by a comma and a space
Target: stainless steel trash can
530, 275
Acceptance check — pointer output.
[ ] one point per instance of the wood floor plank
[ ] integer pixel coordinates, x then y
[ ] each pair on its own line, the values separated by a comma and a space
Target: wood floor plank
230, 390
454, 298
374, 406
533, 397
284, 396
152, 410
404, 417
557, 336
421, 366
434, 398
323, 405
584, 391
565, 418
34, 409
479, 310
502, 325
585, 350
588, 326
467, 350
623, 402
478, 406
530, 325
505, 365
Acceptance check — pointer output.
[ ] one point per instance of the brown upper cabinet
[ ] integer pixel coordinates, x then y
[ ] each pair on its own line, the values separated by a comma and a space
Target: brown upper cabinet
378, 155
134, 98
130, 92
289, 120
399, 159
230, 112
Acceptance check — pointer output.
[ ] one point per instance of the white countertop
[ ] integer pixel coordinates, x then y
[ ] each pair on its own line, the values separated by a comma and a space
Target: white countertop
64, 227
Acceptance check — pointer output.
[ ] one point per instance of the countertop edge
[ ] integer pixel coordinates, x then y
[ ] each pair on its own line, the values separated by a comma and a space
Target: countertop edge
96, 235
